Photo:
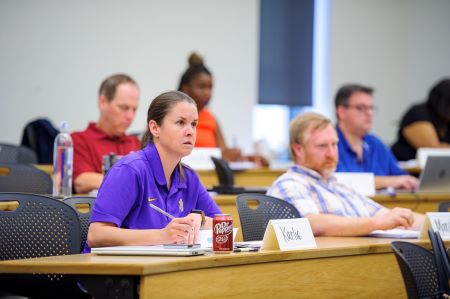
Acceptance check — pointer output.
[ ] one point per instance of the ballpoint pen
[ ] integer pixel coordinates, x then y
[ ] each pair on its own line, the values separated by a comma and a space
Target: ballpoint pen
161, 211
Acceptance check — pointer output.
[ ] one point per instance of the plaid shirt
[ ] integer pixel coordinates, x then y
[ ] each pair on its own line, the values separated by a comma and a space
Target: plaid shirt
310, 194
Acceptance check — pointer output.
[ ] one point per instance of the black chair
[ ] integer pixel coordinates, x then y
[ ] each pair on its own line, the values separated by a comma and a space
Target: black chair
226, 180
255, 210
11, 153
40, 226
16, 177
39, 135
442, 260
418, 268
79, 203
444, 206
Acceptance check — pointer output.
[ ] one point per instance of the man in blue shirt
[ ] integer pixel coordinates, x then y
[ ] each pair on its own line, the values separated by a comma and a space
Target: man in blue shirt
360, 151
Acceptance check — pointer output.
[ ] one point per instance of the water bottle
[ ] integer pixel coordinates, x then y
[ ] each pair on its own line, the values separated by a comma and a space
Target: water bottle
62, 163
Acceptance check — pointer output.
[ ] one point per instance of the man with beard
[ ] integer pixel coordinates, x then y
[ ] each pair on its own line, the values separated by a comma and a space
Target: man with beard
332, 209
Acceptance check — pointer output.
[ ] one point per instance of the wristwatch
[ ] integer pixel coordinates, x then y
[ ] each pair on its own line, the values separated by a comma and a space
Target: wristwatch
201, 213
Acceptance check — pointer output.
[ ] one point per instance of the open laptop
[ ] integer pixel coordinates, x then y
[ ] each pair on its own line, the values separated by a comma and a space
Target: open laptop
149, 250
435, 177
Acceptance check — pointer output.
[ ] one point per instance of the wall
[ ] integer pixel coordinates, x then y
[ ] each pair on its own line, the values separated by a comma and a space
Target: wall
54, 55
399, 47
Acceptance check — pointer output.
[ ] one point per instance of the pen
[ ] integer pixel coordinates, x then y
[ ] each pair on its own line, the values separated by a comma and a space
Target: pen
165, 213
246, 249
161, 211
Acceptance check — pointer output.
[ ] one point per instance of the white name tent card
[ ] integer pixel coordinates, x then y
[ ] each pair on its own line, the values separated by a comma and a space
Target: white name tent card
288, 234
361, 182
439, 222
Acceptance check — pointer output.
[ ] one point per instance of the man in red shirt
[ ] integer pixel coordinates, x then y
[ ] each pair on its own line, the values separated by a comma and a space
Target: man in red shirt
118, 100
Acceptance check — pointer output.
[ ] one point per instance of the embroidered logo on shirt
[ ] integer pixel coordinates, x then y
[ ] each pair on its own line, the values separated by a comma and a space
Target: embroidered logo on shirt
151, 199
181, 205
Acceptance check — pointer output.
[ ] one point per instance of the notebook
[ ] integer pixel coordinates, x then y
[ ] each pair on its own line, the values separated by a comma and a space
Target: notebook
435, 177
149, 250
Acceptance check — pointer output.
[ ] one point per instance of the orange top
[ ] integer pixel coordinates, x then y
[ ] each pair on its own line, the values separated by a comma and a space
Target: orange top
206, 129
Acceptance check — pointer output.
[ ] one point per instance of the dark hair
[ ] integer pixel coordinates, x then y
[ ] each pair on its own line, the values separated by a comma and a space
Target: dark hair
439, 101
109, 85
345, 92
195, 68
160, 107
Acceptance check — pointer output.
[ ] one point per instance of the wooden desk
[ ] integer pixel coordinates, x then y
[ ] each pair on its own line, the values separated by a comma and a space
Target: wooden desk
420, 203
339, 267
253, 177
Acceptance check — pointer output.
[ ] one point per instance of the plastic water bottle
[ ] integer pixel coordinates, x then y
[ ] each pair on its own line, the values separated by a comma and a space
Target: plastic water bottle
62, 163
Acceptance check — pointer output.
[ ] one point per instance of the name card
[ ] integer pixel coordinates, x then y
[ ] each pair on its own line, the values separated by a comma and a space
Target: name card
288, 234
439, 222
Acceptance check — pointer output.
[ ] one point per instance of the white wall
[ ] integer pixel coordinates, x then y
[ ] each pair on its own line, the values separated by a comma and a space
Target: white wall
54, 55
399, 47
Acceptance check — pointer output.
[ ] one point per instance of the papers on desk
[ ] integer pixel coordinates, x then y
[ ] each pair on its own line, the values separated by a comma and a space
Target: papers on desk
205, 237
248, 244
395, 233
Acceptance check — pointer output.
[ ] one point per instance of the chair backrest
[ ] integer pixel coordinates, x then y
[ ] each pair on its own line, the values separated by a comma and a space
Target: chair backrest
83, 206
40, 226
16, 177
442, 260
418, 268
255, 210
444, 206
11, 153
39, 135
224, 172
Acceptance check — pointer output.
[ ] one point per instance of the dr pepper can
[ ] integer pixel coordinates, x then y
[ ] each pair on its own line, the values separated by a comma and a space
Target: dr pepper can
223, 233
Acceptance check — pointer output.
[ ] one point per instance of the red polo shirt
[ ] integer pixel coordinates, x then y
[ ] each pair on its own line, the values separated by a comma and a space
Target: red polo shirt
90, 145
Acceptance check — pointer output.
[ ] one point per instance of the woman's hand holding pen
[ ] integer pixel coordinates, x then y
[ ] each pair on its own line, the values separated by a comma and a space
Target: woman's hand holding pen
179, 230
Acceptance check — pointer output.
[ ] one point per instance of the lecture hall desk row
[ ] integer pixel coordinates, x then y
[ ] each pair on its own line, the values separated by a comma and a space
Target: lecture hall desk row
252, 177
337, 268
420, 203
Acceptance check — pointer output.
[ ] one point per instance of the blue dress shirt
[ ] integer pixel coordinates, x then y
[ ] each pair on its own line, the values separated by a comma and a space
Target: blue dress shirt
377, 158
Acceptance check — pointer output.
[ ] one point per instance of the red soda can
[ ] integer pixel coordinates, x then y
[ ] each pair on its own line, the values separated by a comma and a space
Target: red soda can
223, 233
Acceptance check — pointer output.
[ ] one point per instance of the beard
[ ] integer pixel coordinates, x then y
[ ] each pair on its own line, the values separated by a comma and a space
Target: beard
328, 168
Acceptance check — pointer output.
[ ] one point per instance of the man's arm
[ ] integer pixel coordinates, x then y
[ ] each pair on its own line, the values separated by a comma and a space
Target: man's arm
87, 181
396, 181
332, 225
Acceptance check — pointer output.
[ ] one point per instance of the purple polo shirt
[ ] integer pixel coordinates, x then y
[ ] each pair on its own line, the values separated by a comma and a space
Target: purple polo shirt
138, 179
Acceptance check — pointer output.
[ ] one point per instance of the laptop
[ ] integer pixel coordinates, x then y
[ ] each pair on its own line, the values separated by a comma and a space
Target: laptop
149, 250
435, 177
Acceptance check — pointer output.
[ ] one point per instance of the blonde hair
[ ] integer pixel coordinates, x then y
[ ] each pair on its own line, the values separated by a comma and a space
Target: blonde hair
303, 125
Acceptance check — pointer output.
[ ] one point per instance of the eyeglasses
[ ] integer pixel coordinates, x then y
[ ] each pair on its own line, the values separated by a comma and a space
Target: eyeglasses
362, 108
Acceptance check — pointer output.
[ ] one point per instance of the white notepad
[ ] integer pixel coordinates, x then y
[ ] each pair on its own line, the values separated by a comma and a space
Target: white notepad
396, 233
149, 250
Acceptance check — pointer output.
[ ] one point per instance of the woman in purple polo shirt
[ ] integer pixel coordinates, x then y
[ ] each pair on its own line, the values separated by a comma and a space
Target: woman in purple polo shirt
154, 175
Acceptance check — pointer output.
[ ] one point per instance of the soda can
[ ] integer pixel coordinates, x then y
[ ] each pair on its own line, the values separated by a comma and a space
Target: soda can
223, 233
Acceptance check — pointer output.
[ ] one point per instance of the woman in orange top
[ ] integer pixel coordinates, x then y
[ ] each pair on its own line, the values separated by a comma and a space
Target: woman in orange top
197, 82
